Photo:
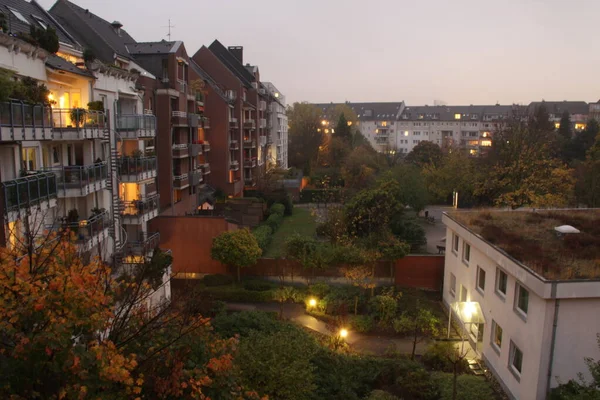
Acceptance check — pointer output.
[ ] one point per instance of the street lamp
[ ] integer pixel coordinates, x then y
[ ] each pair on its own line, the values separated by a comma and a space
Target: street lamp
312, 302
343, 333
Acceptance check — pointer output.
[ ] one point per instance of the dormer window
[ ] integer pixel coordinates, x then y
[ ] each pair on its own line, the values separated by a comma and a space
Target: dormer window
40, 21
18, 15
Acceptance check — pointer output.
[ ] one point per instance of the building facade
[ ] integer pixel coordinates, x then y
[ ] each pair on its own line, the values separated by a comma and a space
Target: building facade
531, 331
277, 122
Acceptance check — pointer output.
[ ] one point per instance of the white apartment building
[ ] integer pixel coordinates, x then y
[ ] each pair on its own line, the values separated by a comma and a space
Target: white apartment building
277, 151
532, 330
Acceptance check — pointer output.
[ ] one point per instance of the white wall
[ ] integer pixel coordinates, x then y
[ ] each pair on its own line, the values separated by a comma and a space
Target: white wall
22, 64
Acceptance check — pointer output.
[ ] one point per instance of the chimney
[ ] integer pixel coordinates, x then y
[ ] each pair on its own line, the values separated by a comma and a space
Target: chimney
117, 27
237, 52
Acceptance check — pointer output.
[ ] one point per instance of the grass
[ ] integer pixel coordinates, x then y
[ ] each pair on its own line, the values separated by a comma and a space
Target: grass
301, 221
530, 238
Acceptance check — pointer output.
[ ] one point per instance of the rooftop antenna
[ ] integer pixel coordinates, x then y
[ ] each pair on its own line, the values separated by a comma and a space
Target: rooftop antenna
169, 27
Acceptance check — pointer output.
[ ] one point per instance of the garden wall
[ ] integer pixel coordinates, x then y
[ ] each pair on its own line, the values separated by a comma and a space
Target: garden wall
190, 240
420, 271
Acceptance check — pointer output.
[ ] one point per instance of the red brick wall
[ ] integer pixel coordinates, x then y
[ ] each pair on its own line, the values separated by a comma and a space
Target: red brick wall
190, 240
425, 272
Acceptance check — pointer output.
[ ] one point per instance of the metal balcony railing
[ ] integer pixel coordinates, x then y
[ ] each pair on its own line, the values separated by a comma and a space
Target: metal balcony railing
196, 177
263, 123
233, 123
206, 168
146, 124
29, 190
16, 114
85, 230
193, 120
206, 146
79, 176
249, 144
235, 165
205, 122
250, 162
143, 244
234, 145
141, 206
179, 114
250, 124
78, 118
136, 165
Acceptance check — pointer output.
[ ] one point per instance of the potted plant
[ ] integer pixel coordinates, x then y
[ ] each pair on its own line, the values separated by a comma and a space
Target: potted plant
72, 221
77, 116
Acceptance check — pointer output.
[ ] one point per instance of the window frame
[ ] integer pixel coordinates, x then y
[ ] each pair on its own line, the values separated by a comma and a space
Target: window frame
464, 252
479, 288
511, 360
494, 345
455, 243
516, 307
452, 288
497, 290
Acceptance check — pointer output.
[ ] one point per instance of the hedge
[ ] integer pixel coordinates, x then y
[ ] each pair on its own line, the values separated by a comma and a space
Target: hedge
278, 209
239, 294
320, 196
264, 235
274, 221
217, 280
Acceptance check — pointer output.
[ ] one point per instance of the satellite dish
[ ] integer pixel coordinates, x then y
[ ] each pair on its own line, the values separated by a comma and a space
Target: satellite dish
564, 229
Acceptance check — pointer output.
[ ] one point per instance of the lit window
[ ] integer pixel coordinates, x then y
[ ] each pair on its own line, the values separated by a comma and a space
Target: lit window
579, 127
452, 288
384, 123
522, 299
473, 152
405, 133
19, 16
557, 125
480, 279
349, 123
516, 359
456, 116
496, 335
486, 143
323, 122
501, 282
466, 252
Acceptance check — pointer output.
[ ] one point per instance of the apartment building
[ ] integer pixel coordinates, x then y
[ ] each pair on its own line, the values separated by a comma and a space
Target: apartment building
277, 122
524, 294
579, 112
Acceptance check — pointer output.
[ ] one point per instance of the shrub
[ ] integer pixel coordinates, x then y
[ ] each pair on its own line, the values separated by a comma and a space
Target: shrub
258, 286
238, 294
278, 209
438, 355
274, 221
263, 235
319, 289
417, 384
242, 323
384, 307
217, 280
381, 395
341, 299
362, 323
468, 386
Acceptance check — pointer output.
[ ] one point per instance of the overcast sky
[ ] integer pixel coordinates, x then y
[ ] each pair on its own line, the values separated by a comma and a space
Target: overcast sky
458, 51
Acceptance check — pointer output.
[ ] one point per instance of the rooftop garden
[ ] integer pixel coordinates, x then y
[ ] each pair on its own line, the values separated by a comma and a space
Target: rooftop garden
530, 238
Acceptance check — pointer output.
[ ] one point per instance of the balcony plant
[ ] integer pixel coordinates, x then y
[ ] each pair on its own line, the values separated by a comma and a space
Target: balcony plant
77, 116
96, 105
72, 221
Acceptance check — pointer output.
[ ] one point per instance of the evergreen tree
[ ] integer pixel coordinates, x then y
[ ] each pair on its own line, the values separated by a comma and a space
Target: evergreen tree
343, 130
564, 129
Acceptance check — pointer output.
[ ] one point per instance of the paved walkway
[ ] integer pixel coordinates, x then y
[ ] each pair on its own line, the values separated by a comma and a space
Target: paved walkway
363, 343
437, 231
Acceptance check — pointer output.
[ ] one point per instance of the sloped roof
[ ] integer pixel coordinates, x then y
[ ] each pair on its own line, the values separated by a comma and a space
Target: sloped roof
204, 75
232, 63
162, 47
447, 113
103, 28
61, 64
35, 15
558, 107
379, 111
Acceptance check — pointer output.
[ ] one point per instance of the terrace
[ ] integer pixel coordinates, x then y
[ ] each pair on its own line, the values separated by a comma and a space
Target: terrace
530, 238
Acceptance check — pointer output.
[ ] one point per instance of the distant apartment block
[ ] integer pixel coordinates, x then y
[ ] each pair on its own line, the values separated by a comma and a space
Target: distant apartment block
524, 294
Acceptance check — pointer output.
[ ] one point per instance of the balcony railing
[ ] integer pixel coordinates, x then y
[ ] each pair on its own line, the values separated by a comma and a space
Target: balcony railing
85, 230
140, 207
206, 168
205, 122
249, 144
78, 123
199, 98
143, 244
250, 162
235, 165
133, 169
20, 121
234, 145
80, 180
179, 118
134, 126
195, 149
250, 124
181, 150
29, 190
262, 123
262, 105
233, 123
181, 181
206, 146
196, 177
193, 120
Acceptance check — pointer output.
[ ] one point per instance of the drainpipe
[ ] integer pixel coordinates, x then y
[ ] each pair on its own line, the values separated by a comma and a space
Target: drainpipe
553, 341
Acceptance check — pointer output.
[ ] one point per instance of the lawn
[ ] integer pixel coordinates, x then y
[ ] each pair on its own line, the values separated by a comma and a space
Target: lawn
301, 221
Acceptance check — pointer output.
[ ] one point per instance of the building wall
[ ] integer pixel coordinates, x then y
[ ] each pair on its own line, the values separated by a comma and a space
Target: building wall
425, 272
217, 109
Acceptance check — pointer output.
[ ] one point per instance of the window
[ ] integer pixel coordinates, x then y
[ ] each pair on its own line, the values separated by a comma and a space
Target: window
456, 116
464, 294
515, 362
19, 16
40, 21
501, 282
452, 288
496, 335
480, 279
455, 242
466, 252
29, 158
522, 299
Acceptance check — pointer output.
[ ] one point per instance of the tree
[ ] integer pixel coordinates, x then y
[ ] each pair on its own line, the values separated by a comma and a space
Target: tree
412, 188
564, 129
344, 109
359, 168
343, 130
420, 324
456, 172
237, 249
308, 252
306, 135
425, 153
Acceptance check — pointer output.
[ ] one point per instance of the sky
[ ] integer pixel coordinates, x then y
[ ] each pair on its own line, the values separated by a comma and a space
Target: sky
457, 51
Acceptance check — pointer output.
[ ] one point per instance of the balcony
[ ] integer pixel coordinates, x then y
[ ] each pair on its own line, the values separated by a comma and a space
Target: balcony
234, 165
136, 212
233, 123
195, 149
206, 168
136, 126
249, 143
262, 140
141, 247
199, 98
206, 146
262, 105
179, 118
88, 233
382, 125
196, 177
205, 122
231, 95
80, 180
193, 120
249, 124
136, 169
181, 150
182, 86
20, 121
78, 124
181, 181
234, 145
250, 162
35, 190
262, 123
249, 181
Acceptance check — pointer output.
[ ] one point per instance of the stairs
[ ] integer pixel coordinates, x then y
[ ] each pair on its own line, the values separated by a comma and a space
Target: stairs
475, 367
116, 203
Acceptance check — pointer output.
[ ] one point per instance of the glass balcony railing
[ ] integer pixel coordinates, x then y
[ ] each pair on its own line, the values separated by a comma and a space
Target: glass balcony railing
16, 114
136, 165
142, 244
79, 176
78, 118
140, 207
145, 125
29, 190
85, 230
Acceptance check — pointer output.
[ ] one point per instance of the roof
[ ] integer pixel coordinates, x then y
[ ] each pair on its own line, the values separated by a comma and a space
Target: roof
162, 47
378, 111
35, 15
448, 113
113, 39
529, 237
232, 63
204, 75
559, 107
61, 64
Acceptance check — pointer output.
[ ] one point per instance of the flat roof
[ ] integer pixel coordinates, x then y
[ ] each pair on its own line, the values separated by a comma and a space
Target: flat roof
529, 236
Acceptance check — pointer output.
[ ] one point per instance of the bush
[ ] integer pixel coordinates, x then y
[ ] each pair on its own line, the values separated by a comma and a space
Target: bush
320, 196
417, 384
468, 386
278, 209
381, 395
384, 307
319, 289
239, 294
438, 355
243, 323
263, 235
258, 286
341, 299
217, 280
362, 323
274, 221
